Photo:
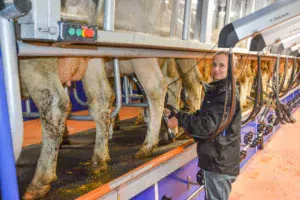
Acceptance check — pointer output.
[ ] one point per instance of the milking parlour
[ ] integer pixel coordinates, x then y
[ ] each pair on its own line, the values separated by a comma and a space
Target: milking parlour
145, 99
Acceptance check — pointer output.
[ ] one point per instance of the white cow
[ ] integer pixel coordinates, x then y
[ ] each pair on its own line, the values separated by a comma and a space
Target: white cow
42, 80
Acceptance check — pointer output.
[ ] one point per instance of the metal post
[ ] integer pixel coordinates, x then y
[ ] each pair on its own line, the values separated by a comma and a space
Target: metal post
198, 20
11, 72
8, 178
28, 108
130, 90
109, 15
187, 20
126, 89
206, 21
228, 11
118, 91
222, 14
66, 90
174, 18
247, 13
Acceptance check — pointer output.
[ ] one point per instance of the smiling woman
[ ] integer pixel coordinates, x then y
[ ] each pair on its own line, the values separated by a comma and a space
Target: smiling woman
220, 65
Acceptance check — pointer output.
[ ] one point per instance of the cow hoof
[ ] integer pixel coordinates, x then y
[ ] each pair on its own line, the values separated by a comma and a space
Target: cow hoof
36, 192
143, 154
98, 168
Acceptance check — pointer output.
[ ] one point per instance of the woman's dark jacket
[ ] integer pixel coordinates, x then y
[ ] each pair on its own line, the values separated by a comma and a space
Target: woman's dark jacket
223, 153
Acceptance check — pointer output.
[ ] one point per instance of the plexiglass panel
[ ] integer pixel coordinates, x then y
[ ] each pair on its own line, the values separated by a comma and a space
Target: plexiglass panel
145, 16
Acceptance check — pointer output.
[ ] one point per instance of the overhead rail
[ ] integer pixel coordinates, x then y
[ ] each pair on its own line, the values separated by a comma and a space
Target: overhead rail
278, 48
258, 21
275, 34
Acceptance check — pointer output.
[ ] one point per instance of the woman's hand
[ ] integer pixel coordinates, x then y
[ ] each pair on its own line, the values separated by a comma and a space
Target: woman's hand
167, 112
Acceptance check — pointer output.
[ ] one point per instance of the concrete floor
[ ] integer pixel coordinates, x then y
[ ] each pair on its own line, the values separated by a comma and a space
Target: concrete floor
273, 173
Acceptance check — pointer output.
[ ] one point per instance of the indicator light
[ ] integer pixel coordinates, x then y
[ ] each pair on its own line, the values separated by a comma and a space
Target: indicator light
78, 32
71, 31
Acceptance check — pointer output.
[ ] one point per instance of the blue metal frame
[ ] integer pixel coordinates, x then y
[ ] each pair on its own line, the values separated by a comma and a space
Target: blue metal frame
8, 178
175, 184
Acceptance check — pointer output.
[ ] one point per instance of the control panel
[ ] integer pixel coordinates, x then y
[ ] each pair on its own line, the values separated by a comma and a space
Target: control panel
77, 32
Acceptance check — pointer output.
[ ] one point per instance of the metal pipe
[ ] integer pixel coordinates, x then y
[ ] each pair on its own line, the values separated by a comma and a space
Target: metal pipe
28, 107
66, 90
31, 114
77, 98
15, 8
8, 178
135, 105
174, 18
198, 20
196, 193
29, 50
187, 20
228, 11
221, 15
81, 118
109, 15
71, 117
130, 90
126, 89
11, 72
118, 91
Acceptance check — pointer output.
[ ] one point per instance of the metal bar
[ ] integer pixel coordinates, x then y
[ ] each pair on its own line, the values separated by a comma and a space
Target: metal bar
15, 8
71, 117
135, 105
130, 90
196, 193
126, 89
118, 91
32, 50
28, 108
228, 11
66, 90
198, 20
247, 13
183, 50
259, 21
11, 75
77, 98
187, 20
174, 18
8, 178
221, 14
81, 118
109, 15
31, 114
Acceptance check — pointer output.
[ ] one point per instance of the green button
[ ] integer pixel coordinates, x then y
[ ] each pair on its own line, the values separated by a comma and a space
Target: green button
78, 32
71, 31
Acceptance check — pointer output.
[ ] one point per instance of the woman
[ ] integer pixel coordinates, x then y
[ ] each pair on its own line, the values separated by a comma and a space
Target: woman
219, 158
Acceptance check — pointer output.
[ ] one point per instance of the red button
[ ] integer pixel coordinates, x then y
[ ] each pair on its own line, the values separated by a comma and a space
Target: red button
89, 33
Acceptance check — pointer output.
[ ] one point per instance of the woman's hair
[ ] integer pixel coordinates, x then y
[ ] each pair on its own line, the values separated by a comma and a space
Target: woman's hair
234, 58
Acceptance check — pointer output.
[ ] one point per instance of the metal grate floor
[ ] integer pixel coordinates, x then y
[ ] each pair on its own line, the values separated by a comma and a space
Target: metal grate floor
74, 179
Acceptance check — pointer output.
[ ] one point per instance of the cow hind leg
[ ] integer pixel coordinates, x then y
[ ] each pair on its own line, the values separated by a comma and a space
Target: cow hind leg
41, 80
66, 137
170, 73
100, 98
154, 84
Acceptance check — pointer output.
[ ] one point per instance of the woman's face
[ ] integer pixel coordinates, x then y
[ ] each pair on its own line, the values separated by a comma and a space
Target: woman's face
219, 67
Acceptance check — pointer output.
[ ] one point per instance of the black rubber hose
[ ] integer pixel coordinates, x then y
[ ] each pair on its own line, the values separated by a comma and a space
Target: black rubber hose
258, 93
